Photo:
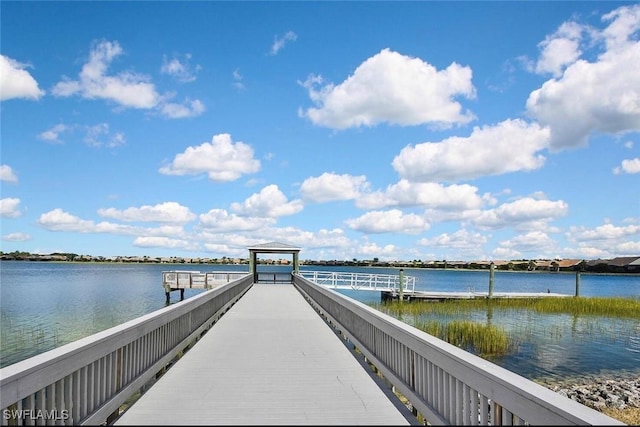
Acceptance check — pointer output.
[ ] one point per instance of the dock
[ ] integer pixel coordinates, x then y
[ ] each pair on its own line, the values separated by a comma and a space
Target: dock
179, 280
445, 296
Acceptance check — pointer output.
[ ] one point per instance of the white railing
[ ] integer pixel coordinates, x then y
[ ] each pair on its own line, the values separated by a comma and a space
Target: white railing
273, 277
178, 279
360, 281
86, 381
446, 384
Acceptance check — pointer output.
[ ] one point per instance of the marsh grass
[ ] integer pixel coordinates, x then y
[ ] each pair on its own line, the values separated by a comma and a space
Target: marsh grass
629, 415
486, 340
579, 306
455, 325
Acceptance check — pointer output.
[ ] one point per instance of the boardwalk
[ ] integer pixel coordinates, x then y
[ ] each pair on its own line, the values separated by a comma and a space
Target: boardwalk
271, 359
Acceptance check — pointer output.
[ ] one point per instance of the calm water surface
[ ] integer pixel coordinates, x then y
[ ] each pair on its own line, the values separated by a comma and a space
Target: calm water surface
45, 305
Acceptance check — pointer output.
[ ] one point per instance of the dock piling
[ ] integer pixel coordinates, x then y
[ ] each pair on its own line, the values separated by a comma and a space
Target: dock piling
491, 278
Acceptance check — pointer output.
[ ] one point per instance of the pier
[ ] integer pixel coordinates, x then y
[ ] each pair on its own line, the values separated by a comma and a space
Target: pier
270, 360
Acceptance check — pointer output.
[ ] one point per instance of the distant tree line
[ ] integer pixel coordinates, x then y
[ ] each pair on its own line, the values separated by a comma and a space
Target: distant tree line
614, 265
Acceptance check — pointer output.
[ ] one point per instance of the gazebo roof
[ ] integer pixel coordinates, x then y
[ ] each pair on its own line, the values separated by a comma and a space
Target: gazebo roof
274, 247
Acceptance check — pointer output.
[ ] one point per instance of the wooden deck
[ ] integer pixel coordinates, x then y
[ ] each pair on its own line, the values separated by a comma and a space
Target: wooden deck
271, 359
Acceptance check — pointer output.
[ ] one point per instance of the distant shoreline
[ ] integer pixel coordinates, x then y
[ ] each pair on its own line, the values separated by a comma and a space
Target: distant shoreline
331, 264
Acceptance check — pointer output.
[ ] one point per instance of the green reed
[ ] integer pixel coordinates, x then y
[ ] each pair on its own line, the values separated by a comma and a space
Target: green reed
587, 306
486, 340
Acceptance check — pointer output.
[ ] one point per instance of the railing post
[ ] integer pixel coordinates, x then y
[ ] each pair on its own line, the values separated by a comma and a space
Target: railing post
401, 280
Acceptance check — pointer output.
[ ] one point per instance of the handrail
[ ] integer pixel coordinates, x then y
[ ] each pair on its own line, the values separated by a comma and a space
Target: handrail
86, 381
273, 277
446, 384
182, 279
360, 281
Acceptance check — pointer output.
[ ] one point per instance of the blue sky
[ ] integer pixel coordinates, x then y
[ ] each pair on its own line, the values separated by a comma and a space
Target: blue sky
389, 130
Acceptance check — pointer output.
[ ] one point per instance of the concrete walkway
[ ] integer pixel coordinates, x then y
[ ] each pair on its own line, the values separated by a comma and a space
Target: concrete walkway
271, 359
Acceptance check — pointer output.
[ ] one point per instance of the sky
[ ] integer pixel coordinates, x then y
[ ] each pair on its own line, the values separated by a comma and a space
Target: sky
353, 130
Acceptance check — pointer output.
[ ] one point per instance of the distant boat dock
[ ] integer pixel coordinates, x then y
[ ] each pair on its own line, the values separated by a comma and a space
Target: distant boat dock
444, 296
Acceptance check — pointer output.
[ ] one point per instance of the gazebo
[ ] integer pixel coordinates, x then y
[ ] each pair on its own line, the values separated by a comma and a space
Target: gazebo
272, 248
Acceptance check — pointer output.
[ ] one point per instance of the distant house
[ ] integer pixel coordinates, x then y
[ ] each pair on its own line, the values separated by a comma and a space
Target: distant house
624, 264
501, 264
567, 264
480, 264
544, 265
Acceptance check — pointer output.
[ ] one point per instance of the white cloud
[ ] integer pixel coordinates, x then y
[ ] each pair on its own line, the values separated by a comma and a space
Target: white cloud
628, 248
318, 240
59, 220
164, 242
392, 88
605, 232
331, 186
9, 208
280, 42
524, 213
375, 251
560, 49
221, 160
116, 140
390, 221
460, 240
533, 241
93, 134
625, 23
599, 96
16, 237
53, 135
178, 111
181, 70
630, 166
167, 212
16, 82
510, 146
7, 174
237, 80
430, 195
221, 220
604, 241
127, 89
270, 202
98, 135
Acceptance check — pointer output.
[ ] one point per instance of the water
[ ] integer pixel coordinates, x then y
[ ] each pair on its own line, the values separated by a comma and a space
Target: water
45, 305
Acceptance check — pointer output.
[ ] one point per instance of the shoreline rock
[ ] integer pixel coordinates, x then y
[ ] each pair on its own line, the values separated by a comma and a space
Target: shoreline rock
600, 393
